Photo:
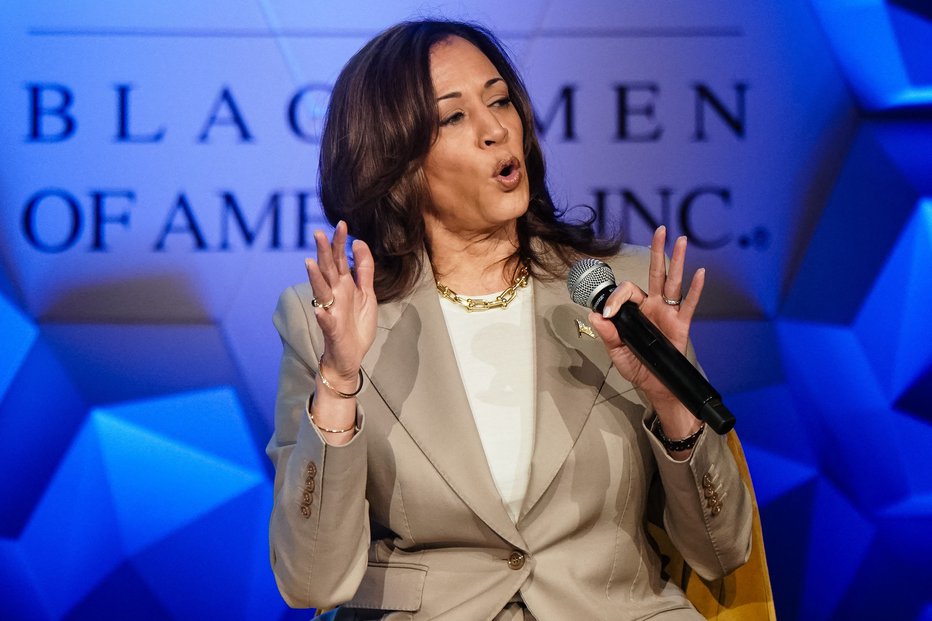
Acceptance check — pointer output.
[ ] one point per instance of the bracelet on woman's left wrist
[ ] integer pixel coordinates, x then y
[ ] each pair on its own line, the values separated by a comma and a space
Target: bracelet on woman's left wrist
675, 446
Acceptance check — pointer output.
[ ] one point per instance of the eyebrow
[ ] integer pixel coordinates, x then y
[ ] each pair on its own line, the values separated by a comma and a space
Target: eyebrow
456, 94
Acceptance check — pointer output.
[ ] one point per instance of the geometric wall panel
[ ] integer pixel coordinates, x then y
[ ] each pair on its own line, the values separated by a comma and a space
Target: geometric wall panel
39, 415
874, 196
894, 325
838, 545
18, 334
150, 489
882, 47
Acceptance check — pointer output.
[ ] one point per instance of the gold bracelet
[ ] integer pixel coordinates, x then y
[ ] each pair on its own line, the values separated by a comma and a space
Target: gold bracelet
310, 417
339, 393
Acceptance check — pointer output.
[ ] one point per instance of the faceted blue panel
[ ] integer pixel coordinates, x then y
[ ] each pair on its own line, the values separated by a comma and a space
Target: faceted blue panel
18, 335
738, 355
912, 25
913, 433
213, 564
848, 412
145, 485
786, 524
19, 598
871, 202
157, 484
774, 476
210, 420
72, 541
838, 544
894, 325
883, 570
771, 419
882, 49
122, 594
39, 415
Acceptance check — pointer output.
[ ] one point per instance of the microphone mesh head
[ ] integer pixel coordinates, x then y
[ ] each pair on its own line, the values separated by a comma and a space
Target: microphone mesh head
587, 277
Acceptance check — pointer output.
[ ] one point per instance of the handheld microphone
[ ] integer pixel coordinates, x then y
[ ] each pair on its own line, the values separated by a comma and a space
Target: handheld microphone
590, 282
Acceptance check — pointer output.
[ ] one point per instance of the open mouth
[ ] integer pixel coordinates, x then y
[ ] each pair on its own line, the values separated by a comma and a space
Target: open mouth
507, 167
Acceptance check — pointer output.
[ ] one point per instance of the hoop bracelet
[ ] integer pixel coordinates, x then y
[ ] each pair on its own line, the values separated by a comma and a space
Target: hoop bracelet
674, 446
339, 393
310, 417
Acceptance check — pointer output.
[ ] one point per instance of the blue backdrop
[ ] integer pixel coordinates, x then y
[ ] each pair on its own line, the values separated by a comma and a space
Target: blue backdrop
158, 190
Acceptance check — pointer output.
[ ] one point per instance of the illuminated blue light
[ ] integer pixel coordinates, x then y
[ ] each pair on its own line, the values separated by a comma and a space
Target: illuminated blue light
164, 498
39, 416
775, 476
18, 336
893, 325
872, 200
836, 386
157, 485
770, 419
873, 53
839, 541
71, 542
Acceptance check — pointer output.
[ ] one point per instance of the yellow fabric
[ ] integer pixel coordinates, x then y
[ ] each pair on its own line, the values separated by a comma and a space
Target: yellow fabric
745, 594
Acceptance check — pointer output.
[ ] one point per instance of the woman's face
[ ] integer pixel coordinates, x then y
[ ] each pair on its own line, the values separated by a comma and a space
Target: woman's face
475, 168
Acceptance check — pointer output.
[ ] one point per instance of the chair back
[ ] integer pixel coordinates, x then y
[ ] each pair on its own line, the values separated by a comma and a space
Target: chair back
743, 595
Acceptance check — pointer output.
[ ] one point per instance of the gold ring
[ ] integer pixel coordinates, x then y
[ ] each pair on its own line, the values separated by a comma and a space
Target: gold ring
669, 301
326, 306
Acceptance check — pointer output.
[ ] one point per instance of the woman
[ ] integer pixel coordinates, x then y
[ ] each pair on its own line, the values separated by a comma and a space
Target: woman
433, 461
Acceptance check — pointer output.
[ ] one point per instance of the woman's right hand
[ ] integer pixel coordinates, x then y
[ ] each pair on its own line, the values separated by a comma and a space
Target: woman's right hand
348, 323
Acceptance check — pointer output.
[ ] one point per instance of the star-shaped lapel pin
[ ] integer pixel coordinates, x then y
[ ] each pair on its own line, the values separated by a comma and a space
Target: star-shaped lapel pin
584, 328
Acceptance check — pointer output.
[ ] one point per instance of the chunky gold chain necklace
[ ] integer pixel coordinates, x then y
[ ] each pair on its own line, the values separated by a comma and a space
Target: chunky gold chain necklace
502, 300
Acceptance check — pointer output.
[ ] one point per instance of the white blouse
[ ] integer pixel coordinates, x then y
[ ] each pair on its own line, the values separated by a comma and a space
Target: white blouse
495, 353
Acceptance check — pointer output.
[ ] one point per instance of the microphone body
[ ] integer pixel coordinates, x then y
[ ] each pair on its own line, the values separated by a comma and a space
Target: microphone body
650, 345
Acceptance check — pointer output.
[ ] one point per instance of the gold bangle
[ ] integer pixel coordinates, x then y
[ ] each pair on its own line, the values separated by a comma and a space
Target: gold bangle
339, 393
310, 417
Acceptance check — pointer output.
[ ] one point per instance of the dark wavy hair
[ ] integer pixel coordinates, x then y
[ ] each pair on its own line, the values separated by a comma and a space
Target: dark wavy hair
381, 122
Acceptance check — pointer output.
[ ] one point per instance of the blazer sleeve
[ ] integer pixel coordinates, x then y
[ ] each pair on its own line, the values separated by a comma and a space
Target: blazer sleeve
319, 528
708, 511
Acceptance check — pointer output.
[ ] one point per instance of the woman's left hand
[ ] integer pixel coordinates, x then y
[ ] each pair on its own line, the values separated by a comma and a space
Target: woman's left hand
672, 319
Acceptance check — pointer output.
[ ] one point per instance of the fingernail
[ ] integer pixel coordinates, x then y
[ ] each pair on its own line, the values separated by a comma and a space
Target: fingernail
607, 312
307, 263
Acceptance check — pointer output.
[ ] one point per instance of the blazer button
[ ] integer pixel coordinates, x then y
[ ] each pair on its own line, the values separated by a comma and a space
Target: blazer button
312, 469
516, 560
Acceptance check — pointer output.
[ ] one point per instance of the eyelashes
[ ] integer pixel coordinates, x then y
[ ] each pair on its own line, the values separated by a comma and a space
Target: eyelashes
453, 119
456, 117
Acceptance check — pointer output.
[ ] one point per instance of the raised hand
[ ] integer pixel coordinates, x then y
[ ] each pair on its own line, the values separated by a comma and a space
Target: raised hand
671, 311
345, 306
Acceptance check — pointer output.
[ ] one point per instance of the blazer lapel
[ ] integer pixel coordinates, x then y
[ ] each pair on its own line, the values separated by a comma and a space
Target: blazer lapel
571, 369
414, 369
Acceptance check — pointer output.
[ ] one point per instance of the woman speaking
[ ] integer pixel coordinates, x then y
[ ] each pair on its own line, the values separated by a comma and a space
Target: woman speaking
454, 438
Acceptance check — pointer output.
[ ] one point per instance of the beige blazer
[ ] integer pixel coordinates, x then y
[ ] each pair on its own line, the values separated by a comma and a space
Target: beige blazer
406, 518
